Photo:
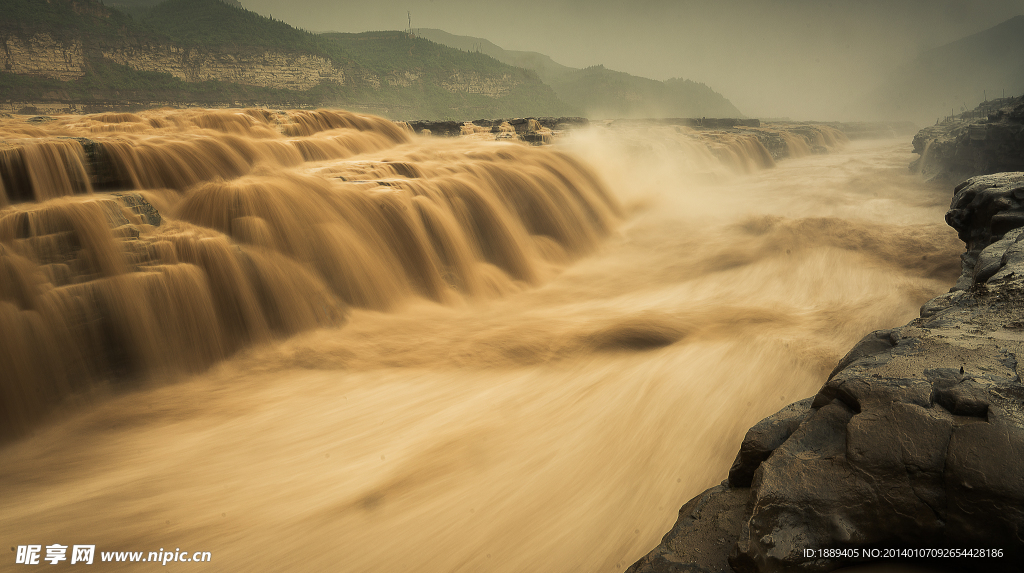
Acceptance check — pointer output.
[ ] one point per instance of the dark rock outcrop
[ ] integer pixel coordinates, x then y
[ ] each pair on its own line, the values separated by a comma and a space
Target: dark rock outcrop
700, 541
988, 139
988, 215
764, 438
534, 130
103, 171
520, 124
138, 204
914, 444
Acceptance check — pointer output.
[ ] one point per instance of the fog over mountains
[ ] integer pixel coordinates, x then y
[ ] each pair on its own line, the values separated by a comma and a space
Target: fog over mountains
799, 58
955, 77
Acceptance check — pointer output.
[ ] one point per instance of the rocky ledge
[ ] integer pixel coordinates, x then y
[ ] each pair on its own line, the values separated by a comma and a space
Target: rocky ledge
915, 444
536, 130
988, 139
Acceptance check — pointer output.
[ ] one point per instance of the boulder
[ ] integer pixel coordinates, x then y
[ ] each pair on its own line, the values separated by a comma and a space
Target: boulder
987, 213
764, 438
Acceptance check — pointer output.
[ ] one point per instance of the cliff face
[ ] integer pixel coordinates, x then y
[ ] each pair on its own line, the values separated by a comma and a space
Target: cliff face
41, 55
474, 83
267, 69
988, 139
62, 41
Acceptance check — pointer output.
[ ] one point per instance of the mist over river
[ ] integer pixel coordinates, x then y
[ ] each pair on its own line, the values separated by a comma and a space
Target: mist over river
543, 400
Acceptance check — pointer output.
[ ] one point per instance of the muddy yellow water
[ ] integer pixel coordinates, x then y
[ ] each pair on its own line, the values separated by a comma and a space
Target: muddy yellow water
523, 359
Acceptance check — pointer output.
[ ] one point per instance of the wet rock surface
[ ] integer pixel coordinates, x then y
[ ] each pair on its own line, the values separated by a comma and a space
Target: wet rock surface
700, 541
915, 442
529, 129
988, 139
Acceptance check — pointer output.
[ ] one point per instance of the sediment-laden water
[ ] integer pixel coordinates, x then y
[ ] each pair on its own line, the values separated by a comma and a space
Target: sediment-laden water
347, 347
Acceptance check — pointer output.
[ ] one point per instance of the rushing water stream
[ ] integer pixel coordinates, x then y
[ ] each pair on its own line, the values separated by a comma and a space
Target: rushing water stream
547, 411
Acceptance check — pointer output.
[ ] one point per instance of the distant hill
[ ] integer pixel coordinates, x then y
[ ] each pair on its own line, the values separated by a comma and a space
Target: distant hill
600, 92
444, 81
604, 93
545, 67
958, 75
212, 52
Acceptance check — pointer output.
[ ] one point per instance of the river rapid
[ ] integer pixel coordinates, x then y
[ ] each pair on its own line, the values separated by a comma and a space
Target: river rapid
553, 421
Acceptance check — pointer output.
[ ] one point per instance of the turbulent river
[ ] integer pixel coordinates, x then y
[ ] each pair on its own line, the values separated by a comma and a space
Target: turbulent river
350, 348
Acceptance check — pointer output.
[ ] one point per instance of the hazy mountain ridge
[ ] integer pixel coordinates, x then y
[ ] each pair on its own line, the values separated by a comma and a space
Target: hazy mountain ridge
598, 91
957, 76
546, 68
213, 53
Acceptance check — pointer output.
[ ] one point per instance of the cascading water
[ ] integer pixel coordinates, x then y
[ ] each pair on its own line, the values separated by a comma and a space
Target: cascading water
315, 341
254, 241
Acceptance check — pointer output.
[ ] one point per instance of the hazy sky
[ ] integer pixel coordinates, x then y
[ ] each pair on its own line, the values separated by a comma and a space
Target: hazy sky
807, 59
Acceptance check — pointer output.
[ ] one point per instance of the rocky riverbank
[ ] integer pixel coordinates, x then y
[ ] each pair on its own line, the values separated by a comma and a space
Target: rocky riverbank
988, 139
915, 443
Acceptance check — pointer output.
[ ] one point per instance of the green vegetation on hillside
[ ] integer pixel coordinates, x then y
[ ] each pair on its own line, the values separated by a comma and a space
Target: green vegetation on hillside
546, 68
390, 73
138, 8
388, 52
396, 57
64, 19
600, 92
214, 24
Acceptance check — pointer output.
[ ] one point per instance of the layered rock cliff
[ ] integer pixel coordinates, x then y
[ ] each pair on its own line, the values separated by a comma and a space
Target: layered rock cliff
293, 71
40, 54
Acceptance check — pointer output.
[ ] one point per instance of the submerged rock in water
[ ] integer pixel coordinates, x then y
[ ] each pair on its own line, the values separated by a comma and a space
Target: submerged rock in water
915, 444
